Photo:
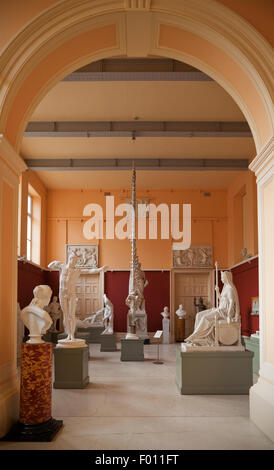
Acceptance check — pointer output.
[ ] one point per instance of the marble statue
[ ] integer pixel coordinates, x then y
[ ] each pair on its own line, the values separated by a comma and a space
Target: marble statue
165, 323
69, 275
137, 317
35, 317
165, 313
107, 319
181, 313
55, 313
228, 311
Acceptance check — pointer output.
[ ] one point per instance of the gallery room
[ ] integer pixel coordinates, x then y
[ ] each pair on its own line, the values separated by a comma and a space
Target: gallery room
136, 208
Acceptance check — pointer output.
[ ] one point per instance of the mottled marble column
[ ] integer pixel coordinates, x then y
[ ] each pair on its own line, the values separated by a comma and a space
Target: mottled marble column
36, 383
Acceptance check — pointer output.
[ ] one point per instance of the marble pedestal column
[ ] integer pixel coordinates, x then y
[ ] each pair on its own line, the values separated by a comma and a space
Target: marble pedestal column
35, 420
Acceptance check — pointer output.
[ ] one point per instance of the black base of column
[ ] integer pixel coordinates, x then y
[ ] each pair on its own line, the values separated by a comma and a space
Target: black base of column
42, 432
147, 341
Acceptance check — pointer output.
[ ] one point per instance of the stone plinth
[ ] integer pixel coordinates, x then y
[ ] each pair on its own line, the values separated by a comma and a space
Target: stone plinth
71, 367
94, 333
108, 342
216, 372
253, 344
132, 349
180, 329
165, 323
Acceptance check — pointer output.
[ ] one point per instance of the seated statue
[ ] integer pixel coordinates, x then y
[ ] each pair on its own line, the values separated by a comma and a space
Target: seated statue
34, 317
228, 310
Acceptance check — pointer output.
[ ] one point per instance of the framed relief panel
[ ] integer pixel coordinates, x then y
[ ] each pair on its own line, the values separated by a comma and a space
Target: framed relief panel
194, 257
88, 255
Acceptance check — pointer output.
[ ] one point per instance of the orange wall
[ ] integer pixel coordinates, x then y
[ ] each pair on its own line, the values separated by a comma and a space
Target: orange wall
14, 14
247, 182
65, 225
259, 13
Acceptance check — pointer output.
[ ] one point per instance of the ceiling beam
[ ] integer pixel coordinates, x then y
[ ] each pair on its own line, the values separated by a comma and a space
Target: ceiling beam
138, 69
111, 164
196, 76
134, 129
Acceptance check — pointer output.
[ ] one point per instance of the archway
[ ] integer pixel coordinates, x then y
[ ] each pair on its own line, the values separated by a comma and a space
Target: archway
66, 37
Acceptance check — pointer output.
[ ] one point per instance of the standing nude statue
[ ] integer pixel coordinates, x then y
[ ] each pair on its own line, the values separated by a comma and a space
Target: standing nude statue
69, 276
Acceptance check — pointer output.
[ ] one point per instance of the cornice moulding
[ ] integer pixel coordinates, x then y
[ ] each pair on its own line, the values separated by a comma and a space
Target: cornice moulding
264, 161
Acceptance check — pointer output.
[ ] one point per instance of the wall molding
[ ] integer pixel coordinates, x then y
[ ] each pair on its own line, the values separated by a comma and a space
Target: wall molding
264, 160
10, 157
210, 20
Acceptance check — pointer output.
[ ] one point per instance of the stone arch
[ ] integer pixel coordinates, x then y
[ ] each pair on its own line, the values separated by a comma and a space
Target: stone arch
67, 36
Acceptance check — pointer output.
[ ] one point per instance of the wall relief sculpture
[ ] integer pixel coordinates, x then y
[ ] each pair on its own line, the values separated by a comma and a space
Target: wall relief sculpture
194, 257
87, 255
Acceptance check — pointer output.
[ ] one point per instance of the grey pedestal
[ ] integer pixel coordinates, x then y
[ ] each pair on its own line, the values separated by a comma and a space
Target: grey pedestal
94, 333
108, 343
70, 367
214, 373
253, 344
132, 349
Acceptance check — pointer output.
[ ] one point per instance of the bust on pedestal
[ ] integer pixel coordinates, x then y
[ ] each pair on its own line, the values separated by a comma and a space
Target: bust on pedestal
165, 322
35, 421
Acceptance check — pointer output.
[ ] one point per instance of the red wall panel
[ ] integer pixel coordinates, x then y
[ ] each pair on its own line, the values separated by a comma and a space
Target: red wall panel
157, 296
29, 276
245, 278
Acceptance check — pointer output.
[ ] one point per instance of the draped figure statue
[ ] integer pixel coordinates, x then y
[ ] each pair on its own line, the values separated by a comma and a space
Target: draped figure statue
228, 309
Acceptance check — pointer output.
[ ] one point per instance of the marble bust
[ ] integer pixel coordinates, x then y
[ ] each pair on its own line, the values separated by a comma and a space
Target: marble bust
35, 317
181, 313
228, 311
165, 313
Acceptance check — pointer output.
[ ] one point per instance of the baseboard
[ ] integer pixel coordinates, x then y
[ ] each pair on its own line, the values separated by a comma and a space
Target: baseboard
9, 407
262, 407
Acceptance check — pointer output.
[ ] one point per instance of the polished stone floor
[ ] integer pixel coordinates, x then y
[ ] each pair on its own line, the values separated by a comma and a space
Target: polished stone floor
136, 405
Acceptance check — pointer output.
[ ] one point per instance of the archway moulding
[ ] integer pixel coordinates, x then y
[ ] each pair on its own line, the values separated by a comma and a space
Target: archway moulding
138, 27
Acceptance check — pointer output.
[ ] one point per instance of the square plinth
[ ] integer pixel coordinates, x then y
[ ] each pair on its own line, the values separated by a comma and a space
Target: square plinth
132, 349
108, 342
94, 333
214, 373
253, 344
70, 367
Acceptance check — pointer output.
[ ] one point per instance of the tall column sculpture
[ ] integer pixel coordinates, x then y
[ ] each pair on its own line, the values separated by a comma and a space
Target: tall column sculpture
137, 318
